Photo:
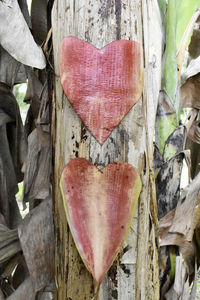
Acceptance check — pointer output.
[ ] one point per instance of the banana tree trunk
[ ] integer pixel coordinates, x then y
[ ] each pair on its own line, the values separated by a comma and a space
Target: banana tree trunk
134, 274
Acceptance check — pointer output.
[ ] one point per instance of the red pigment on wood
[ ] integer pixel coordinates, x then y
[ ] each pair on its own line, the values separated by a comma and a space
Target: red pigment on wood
102, 85
99, 205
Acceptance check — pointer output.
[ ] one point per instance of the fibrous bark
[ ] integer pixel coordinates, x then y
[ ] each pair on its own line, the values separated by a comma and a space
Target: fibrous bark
134, 275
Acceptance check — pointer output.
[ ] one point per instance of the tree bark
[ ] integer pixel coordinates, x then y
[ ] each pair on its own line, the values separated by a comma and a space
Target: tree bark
134, 274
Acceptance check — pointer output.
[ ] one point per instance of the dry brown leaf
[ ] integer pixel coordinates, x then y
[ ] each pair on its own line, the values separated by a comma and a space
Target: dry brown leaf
4, 118
168, 184
11, 71
43, 116
165, 277
180, 289
194, 286
45, 296
39, 20
187, 213
175, 143
21, 46
157, 160
33, 93
34, 86
187, 249
190, 91
7, 235
192, 69
24, 9
12, 155
9, 250
37, 172
10, 266
165, 223
36, 236
184, 42
20, 273
16, 137
38, 168
9, 243
195, 157
164, 104
191, 117
1, 295
197, 242
26, 289
47, 293
21, 76
194, 47
2, 220
194, 132
14, 273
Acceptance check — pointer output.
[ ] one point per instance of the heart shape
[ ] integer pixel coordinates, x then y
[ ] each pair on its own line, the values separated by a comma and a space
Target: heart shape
99, 206
102, 85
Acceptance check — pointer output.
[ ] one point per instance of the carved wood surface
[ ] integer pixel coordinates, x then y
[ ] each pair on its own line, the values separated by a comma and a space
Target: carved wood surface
101, 84
134, 274
100, 206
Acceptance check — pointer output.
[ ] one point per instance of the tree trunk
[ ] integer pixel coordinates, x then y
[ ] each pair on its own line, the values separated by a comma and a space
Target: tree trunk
134, 274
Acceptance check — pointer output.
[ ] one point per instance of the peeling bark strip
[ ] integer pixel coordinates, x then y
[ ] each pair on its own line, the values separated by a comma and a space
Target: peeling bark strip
102, 85
99, 205
134, 275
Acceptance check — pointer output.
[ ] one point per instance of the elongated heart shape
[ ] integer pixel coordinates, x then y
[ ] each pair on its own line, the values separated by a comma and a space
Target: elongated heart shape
102, 85
99, 205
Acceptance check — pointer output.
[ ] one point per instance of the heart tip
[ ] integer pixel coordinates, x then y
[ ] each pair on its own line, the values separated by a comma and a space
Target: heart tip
101, 141
102, 135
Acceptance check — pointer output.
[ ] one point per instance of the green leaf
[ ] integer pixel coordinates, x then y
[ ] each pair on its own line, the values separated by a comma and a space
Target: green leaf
175, 143
185, 12
165, 125
172, 262
170, 78
163, 7
166, 121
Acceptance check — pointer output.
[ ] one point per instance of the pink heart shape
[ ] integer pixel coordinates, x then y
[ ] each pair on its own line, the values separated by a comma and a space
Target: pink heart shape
102, 85
99, 206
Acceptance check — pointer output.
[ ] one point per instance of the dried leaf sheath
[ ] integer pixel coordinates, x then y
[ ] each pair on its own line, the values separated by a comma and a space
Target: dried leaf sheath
99, 206
16, 38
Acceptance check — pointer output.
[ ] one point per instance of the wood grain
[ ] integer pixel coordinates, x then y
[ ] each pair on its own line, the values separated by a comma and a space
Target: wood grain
134, 275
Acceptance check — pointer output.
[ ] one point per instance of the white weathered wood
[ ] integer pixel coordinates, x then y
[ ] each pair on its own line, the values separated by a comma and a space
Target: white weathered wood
147, 282
101, 22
